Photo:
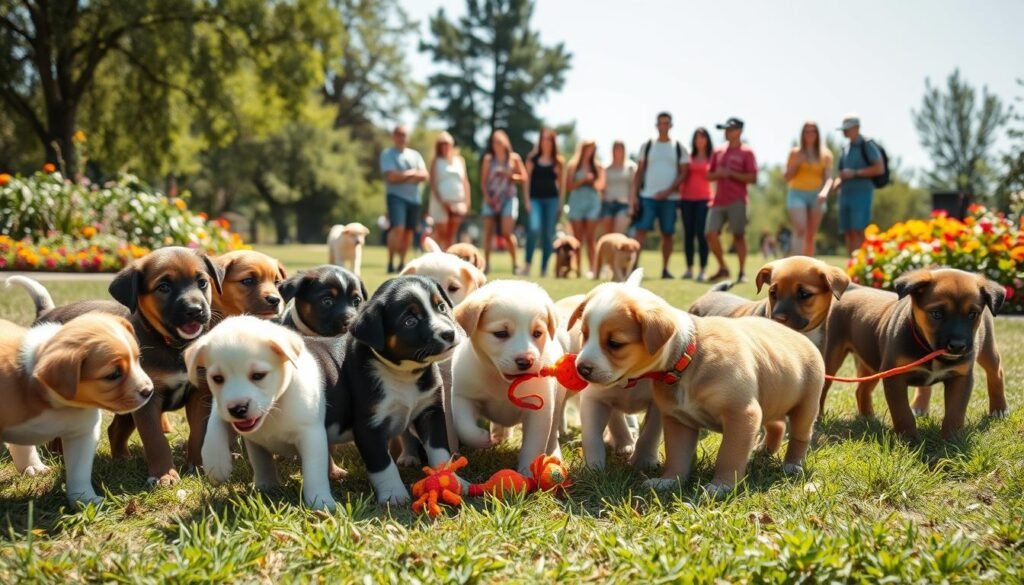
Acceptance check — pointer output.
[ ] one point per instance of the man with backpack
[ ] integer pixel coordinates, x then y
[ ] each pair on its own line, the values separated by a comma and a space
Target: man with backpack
862, 168
661, 169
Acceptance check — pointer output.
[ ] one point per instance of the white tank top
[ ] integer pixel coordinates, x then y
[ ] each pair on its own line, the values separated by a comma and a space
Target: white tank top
448, 176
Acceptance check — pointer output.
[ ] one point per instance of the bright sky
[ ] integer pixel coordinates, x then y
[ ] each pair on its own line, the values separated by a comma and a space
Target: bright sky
774, 64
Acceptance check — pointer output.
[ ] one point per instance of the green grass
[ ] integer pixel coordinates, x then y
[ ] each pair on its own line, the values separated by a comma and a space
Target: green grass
869, 508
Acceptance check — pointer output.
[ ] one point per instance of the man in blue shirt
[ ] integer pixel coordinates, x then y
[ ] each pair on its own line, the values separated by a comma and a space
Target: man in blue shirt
859, 162
403, 169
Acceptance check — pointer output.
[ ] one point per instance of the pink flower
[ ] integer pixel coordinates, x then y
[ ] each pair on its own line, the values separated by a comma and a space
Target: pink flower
1009, 291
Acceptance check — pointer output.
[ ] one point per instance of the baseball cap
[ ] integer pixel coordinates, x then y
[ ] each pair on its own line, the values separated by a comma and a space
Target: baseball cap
730, 124
850, 121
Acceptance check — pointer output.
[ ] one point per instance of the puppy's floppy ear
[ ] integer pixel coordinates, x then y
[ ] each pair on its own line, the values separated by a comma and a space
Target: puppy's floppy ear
291, 287
656, 327
913, 283
836, 279
216, 273
60, 368
764, 276
552, 318
635, 277
368, 326
471, 274
127, 285
431, 246
468, 313
195, 361
410, 268
281, 271
288, 345
577, 313
362, 289
993, 295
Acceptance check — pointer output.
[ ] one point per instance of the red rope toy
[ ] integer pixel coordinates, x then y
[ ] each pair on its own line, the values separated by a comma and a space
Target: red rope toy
563, 370
442, 486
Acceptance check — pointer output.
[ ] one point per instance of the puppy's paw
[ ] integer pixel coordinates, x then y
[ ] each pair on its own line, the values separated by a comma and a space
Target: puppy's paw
397, 496
264, 484
1000, 413
167, 479
626, 449
662, 484
919, 412
717, 490
408, 460
83, 500
336, 473
35, 469
792, 469
320, 502
644, 463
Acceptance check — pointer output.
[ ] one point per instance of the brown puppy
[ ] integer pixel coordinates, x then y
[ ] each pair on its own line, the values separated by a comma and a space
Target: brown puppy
727, 375
469, 253
567, 256
800, 294
931, 309
53, 381
250, 285
619, 253
166, 297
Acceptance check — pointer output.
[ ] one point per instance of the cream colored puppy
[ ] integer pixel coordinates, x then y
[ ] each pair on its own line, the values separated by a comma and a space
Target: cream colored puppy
511, 326
345, 245
617, 252
728, 375
457, 277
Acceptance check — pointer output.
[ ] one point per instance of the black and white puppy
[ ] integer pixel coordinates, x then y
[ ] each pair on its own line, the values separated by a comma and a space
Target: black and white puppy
322, 301
390, 380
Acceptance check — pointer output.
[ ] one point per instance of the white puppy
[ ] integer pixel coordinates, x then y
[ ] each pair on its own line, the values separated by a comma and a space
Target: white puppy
345, 245
511, 327
457, 277
267, 386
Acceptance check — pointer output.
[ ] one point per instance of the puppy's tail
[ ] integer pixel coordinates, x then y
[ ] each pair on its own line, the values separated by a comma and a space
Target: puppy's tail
722, 286
40, 296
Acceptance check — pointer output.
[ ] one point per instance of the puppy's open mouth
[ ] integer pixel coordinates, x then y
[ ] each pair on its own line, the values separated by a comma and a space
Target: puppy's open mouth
190, 330
248, 425
268, 314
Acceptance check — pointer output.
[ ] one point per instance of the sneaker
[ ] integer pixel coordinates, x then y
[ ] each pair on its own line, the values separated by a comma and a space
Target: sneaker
400, 268
741, 278
687, 275
391, 269
701, 277
666, 275
722, 273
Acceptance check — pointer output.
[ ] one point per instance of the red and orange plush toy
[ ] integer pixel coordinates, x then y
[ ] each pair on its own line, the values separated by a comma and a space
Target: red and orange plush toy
564, 370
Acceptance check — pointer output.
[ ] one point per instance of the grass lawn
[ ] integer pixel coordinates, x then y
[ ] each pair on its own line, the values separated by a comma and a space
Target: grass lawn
868, 507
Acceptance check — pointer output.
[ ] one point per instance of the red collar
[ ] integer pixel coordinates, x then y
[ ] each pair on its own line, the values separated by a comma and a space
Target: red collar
671, 376
918, 338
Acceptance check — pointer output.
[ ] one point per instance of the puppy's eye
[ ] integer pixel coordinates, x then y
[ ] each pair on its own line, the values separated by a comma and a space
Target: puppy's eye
972, 315
249, 281
442, 308
614, 345
203, 283
257, 376
537, 334
452, 289
327, 301
936, 314
217, 379
803, 295
115, 375
163, 288
356, 301
411, 322
773, 294
501, 334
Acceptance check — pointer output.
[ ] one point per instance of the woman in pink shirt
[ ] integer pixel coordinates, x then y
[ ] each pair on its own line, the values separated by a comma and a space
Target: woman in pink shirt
694, 195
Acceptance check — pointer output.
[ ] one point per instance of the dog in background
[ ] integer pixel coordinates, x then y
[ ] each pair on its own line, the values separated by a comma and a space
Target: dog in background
250, 285
345, 245
457, 277
54, 379
567, 256
469, 253
322, 301
617, 252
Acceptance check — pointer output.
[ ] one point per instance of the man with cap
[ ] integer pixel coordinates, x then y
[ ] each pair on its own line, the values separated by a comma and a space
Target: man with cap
859, 162
732, 167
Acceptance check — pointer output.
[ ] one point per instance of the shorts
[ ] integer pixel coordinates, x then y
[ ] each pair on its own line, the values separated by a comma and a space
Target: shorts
735, 214
510, 208
584, 204
855, 211
438, 211
662, 209
800, 199
614, 208
402, 212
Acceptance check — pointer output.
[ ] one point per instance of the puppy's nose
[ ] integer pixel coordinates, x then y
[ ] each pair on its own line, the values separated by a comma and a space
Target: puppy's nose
239, 410
449, 336
194, 312
146, 391
957, 346
524, 363
272, 300
584, 369
780, 317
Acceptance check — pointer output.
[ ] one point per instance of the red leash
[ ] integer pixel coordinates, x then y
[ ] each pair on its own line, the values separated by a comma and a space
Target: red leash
564, 370
898, 369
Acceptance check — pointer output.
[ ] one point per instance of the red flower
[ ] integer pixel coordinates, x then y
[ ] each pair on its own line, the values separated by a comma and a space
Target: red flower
4, 179
939, 213
3, 262
986, 225
1009, 291
877, 274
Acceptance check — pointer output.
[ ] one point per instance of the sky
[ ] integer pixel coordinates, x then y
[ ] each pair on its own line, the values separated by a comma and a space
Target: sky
774, 64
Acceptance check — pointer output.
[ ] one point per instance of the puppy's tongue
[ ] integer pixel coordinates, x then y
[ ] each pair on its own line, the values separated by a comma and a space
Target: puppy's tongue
190, 330
246, 425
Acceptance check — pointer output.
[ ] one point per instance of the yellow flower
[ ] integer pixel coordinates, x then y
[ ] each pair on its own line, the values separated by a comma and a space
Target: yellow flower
871, 231
180, 204
78, 136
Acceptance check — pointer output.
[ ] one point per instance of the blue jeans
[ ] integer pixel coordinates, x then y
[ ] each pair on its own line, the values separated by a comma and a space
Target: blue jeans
543, 217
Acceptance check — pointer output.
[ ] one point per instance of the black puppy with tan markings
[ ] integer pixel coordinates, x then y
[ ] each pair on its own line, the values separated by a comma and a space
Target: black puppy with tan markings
931, 310
322, 301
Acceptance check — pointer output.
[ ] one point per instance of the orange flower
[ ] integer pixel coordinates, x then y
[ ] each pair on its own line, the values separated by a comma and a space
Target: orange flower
4, 179
49, 168
180, 204
78, 136
88, 231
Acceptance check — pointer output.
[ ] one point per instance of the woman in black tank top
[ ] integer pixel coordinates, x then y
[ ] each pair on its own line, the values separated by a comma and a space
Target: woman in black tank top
544, 166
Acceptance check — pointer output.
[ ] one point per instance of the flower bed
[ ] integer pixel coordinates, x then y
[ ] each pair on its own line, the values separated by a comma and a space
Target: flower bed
47, 223
985, 242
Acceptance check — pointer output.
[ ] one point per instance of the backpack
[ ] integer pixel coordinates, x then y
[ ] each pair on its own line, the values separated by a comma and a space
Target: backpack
647, 151
885, 178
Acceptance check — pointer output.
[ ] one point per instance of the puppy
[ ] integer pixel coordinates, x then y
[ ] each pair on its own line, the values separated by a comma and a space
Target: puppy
469, 253
800, 295
389, 380
727, 375
931, 309
166, 296
456, 277
322, 301
250, 285
619, 253
268, 388
54, 379
511, 327
605, 407
567, 256
345, 245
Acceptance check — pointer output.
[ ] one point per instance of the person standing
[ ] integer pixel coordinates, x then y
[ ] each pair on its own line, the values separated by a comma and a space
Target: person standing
618, 183
694, 196
403, 169
860, 161
662, 168
501, 172
544, 167
809, 175
584, 181
732, 167
449, 190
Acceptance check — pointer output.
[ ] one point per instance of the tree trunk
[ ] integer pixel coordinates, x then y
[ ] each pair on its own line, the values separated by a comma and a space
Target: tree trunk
60, 147
277, 211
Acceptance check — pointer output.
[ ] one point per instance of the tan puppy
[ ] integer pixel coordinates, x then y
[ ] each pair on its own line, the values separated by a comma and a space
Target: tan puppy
345, 245
469, 253
250, 285
800, 295
931, 309
567, 256
54, 379
730, 376
456, 277
619, 253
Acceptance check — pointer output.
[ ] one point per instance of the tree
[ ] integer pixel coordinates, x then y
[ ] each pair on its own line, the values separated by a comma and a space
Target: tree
1012, 181
493, 70
958, 132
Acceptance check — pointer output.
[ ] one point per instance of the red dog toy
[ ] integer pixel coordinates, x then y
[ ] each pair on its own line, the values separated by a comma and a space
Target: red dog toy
441, 484
564, 370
